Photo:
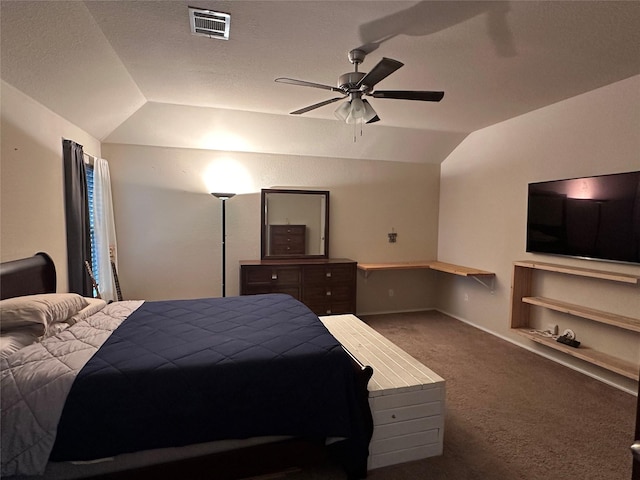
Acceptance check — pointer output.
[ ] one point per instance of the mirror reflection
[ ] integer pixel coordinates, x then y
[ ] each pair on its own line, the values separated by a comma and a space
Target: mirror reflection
295, 223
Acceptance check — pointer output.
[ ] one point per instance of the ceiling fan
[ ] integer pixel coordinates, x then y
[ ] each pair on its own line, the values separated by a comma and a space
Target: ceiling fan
355, 85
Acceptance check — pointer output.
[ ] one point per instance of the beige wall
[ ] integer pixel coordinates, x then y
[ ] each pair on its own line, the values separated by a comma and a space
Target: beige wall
168, 226
32, 182
483, 204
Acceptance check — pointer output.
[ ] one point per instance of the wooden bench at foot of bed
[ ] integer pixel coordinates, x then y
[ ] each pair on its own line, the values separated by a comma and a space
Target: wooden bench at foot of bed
407, 399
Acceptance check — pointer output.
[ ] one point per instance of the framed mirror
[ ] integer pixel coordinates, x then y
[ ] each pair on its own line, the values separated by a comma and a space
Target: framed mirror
295, 224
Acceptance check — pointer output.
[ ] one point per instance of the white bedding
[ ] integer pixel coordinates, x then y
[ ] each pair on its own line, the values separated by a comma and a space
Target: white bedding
35, 382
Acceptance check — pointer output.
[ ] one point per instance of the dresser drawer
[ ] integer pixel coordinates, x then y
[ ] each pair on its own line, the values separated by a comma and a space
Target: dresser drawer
268, 275
292, 290
328, 293
288, 229
329, 274
409, 412
330, 307
282, 245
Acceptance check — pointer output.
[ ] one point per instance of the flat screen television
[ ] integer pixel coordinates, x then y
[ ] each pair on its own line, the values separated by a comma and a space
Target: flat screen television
590, 217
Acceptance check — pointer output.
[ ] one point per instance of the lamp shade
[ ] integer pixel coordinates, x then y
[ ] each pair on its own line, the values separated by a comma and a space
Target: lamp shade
342, 112
356, 112
223, 196
369, 112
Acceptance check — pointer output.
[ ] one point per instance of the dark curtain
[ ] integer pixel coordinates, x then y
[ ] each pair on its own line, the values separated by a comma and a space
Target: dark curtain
77, 217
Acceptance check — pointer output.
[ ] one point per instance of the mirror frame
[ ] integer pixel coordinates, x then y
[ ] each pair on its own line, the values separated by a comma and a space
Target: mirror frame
265, 228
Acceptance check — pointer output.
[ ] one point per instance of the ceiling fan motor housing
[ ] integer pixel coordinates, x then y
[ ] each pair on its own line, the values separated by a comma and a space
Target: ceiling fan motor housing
348, 81
356, 56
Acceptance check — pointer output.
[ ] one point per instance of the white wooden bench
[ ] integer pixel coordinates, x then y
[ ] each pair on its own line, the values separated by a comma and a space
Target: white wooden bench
407, 399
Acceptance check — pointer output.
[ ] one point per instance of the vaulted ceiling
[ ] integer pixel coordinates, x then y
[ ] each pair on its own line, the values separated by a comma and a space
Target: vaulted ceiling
132, 72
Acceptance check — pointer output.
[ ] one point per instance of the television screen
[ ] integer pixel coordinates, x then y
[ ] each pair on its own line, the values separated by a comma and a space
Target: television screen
591, 217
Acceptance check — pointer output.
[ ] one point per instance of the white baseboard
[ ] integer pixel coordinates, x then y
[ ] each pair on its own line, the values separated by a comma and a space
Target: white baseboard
387, 312
542, 354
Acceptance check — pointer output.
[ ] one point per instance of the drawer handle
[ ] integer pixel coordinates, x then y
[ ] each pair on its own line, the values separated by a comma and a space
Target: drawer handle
329, 293
393, 416
274, 276
328, 274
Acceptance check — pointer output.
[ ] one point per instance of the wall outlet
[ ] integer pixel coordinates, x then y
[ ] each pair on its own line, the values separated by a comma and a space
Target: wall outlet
391, 292
466, 297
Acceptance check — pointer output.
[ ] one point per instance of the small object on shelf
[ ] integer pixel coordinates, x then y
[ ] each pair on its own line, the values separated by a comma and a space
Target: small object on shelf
565, 339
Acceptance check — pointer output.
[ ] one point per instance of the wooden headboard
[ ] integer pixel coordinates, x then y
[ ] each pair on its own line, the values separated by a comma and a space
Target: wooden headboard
27, 276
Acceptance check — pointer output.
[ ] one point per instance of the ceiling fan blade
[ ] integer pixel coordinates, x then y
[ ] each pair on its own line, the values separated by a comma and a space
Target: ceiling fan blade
302, 83
409, 95
426, 18
382, 70
317, 105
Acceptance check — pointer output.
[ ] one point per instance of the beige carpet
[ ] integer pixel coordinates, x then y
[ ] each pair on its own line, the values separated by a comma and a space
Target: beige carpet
511, 414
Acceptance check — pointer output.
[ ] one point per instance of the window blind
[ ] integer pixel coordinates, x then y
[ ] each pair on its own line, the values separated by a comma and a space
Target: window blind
92, 230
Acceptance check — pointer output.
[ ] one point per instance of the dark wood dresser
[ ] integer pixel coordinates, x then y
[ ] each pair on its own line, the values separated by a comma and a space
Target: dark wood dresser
326, 286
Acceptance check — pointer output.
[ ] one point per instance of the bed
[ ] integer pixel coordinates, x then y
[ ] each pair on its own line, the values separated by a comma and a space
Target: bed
129, 379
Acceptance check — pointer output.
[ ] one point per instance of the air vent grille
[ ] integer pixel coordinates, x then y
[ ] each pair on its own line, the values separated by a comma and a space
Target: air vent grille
209, 23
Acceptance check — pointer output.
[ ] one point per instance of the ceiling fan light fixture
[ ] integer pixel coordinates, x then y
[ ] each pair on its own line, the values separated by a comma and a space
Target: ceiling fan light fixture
342, 112
351, 118
369, 112
357, 107
354, 111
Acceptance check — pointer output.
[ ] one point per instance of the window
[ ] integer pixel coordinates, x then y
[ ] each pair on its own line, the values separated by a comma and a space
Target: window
91, 234
92, 230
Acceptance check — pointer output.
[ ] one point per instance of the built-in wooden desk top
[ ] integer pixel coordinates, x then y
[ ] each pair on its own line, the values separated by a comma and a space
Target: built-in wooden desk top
476, 274
429, 264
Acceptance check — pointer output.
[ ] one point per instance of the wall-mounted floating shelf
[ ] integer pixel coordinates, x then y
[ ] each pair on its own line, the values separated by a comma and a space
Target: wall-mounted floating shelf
480, 276
587, 354
522, 300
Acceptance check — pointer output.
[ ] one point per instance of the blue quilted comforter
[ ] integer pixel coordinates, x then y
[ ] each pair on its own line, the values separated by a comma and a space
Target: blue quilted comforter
188, 371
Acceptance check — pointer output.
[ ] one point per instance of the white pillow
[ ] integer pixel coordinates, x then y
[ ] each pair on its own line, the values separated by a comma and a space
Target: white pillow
39, 311
94, 305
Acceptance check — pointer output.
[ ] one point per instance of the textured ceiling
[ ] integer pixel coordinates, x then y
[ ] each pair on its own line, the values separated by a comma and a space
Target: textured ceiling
115, 68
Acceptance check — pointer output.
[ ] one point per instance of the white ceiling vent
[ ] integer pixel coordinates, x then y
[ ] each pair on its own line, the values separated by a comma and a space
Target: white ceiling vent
209, 23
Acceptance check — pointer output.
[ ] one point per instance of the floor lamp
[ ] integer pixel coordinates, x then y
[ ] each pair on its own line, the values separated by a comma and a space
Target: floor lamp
224, 197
